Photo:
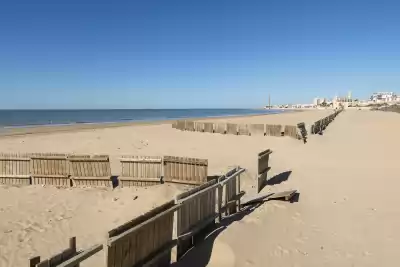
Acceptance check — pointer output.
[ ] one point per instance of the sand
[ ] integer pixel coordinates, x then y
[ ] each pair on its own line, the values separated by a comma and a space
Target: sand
345, 216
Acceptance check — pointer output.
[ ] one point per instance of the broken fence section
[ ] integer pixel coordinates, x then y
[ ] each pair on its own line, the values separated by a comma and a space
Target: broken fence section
262, 168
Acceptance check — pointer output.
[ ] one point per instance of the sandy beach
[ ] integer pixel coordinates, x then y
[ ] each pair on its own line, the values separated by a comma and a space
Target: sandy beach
345, 215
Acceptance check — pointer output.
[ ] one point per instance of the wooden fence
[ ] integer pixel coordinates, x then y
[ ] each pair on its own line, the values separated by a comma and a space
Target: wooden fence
140, 171
241, 129
321, 124
69, 257
196, 213
84, 170
148, 239
180, 125
199, 126
291, 131
208, 127
262, 168
145, 240
220, 128
189, 126
303, 132
50, 169
15, 169
273, 130
230, 192
185, 170
257, 129
232, 128
91, 170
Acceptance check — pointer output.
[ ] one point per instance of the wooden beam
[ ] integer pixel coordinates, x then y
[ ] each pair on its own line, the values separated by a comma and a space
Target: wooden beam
269, 196
137, 227
81, 256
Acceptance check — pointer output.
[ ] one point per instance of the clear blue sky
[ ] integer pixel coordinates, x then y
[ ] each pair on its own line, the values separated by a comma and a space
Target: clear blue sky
194, 54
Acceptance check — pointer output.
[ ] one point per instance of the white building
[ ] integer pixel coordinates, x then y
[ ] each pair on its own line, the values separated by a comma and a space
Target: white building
318, 101
383, 97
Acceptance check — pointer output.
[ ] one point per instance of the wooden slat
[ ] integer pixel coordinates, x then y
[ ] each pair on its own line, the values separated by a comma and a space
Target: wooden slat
243, 129
220, 128
141, 240
208, 127
232, 128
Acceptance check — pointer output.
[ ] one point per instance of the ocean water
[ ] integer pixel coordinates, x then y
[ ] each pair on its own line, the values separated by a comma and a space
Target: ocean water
26, 118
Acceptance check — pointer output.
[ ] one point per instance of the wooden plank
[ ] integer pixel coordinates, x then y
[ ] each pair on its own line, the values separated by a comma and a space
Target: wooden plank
232, 128
287, 195
263, 160
243, 129
208, 127
180, 125
273, 130
220, 128
199, 126
291, 131
189, 126
257, 129
81, 256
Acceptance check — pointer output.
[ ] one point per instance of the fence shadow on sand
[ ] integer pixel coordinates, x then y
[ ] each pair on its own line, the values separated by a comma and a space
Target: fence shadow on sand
200, 254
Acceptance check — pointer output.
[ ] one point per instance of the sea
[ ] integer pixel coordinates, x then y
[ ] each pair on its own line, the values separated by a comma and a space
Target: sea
33, 118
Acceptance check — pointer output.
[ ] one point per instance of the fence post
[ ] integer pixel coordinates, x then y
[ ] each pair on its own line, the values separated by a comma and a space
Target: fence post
219, 203
238, 192
72, 246
34, 261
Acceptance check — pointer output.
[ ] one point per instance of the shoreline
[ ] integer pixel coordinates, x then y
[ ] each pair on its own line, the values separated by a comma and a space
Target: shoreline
49, 129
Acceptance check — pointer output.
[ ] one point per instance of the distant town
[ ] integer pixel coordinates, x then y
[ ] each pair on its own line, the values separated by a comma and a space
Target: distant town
376, 99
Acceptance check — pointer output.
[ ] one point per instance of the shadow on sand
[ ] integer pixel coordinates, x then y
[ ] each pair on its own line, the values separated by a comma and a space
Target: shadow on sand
200, 254
280, 178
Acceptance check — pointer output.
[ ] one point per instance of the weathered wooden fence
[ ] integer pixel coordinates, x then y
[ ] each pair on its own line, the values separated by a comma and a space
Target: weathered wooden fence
185, 170
262, 168
203, 204
199, 126
50, 169
208, 127
243, 129
230, 192
145, 241
69, 257
15, 169
240, 129
180, 125
303, 132
148, 239
196, 213
189, 126
140, 171
257, 129
220, 128
321, 124
232, 128
91, 170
